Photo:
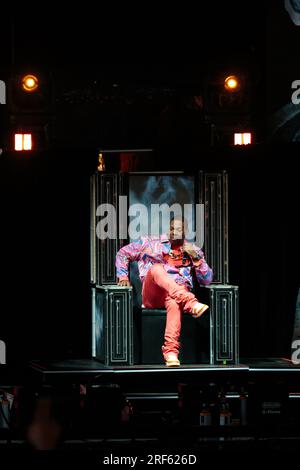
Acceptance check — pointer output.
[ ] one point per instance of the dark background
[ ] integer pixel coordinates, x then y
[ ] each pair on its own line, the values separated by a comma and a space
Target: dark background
45, 297
45, 301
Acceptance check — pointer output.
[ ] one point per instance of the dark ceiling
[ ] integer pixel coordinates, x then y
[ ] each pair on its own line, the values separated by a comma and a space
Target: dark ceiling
150, 66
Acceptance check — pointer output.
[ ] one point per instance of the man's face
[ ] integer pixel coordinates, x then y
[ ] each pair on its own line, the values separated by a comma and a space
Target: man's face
176, 231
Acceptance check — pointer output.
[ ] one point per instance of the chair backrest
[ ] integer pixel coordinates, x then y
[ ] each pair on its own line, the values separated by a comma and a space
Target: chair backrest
136, 284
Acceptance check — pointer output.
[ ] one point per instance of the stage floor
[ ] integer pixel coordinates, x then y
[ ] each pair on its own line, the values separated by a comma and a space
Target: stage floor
90, 370
92, 365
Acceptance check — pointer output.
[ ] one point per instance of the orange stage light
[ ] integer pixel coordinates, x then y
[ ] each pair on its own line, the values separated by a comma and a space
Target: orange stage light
30, 83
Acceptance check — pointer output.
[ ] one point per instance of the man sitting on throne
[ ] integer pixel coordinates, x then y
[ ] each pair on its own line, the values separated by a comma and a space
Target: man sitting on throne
166, 264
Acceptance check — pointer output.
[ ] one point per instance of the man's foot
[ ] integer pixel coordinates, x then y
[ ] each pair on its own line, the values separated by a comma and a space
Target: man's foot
171, 360
199, 309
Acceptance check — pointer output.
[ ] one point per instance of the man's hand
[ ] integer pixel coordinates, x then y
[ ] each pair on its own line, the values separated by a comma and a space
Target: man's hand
124, 283
188, 248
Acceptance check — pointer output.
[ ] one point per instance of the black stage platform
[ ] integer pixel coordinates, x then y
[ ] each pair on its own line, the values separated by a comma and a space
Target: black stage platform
158, 377
163, 399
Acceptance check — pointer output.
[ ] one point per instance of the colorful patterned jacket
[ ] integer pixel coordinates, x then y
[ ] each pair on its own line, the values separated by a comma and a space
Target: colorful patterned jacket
149, 250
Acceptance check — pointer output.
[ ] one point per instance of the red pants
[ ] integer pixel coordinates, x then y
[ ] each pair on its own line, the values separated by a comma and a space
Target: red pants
161, 291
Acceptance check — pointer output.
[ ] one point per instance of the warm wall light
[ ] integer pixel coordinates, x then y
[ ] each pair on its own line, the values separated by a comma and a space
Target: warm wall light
18, 141
23, 142
30, 83
101, 163
27, 142
244, 138
231, 83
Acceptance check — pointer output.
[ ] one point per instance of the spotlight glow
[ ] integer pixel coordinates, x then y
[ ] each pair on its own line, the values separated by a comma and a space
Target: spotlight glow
244, 138
30, 83
23, 142
231, 83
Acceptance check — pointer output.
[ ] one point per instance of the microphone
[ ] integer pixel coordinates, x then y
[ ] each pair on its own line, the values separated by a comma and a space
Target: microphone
187, 256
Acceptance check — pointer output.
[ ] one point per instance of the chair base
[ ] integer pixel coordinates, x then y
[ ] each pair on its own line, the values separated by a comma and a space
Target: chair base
194, 338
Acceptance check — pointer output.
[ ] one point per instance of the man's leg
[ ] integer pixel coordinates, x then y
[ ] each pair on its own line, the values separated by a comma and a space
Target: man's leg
158, 284
155, 296
173, 327
159, 291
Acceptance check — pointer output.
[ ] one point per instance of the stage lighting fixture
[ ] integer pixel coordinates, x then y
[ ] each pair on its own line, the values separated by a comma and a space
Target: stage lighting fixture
23, 142
30, 83
30, 93
231, 83
101, 163
242, 138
